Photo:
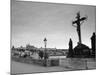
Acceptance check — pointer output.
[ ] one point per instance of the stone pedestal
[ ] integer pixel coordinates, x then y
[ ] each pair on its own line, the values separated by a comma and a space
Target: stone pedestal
81, 51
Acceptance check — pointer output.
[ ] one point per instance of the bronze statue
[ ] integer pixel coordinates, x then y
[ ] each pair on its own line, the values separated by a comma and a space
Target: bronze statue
78, 23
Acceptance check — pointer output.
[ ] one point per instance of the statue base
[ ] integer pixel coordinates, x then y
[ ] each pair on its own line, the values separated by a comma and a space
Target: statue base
82, 51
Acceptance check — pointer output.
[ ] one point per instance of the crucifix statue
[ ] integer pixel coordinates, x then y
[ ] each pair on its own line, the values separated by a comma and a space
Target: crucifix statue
77, 23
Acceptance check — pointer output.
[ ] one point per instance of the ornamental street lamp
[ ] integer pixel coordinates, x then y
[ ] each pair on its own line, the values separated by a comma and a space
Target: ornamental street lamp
45, 43
45, 53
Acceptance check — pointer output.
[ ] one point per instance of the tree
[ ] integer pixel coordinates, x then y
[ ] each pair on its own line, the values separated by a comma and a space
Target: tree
41, 54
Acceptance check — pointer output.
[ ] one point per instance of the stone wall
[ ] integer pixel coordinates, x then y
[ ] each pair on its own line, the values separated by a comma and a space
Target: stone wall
41, 62
77, 63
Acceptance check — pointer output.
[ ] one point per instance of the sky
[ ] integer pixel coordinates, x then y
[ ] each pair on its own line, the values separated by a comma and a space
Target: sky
31, 22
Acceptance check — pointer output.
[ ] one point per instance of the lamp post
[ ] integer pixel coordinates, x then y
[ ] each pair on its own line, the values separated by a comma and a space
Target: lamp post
45, 57
45, 43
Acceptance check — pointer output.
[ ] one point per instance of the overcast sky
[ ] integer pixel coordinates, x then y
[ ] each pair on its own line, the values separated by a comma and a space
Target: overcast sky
33, 21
